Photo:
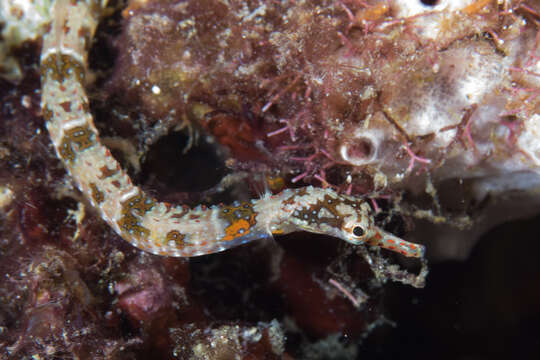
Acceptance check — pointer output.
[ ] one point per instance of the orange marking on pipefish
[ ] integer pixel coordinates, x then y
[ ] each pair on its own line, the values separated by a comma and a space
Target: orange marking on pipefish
238, 228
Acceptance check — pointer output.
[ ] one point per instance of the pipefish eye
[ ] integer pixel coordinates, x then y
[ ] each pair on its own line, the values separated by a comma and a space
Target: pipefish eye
358, 231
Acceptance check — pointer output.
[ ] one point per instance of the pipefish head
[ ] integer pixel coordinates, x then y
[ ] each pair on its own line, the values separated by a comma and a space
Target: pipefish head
341, 216
347, 218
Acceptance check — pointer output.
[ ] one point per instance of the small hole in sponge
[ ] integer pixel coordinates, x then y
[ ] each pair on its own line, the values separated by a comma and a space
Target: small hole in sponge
358, 151
362, 148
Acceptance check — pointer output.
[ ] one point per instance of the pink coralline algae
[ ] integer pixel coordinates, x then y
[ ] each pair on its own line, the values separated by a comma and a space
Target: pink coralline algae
351, 94
427, 109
